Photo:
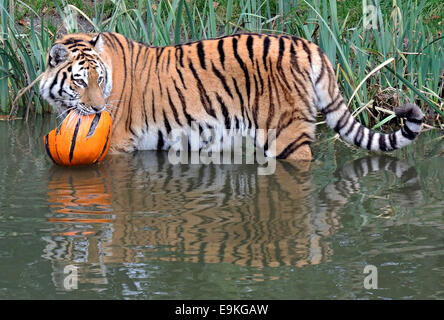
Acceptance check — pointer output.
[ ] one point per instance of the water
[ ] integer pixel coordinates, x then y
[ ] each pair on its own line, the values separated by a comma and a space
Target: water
136, 227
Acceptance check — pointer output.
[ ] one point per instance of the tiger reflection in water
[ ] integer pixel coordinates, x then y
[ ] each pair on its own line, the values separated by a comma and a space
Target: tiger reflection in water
138, 207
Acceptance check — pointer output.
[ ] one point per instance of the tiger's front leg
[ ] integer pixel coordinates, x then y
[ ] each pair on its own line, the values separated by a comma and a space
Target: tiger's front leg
121, 142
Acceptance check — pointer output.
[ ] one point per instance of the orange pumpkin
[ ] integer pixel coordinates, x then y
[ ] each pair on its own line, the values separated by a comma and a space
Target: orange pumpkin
80, 140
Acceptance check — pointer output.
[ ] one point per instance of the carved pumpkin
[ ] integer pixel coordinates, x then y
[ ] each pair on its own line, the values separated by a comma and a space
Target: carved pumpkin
80, 140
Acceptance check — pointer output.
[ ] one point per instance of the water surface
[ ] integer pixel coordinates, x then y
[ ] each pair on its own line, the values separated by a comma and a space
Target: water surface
137, 227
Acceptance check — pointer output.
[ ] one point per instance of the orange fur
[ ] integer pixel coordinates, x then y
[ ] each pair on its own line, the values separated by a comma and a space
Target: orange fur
242, 82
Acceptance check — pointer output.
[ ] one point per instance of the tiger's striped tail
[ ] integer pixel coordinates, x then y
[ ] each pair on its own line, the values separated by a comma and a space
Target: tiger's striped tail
339, 118
355, 133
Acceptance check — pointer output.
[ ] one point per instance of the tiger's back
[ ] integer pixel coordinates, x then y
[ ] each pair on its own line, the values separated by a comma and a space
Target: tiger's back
226, 83
236, 84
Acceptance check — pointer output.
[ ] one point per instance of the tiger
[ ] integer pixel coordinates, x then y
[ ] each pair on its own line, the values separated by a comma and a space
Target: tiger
242, 83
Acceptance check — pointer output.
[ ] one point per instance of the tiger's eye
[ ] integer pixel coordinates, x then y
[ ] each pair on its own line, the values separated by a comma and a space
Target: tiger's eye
80, 83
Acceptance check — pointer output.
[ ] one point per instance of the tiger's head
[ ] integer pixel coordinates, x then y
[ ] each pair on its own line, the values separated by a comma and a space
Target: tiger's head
77, 78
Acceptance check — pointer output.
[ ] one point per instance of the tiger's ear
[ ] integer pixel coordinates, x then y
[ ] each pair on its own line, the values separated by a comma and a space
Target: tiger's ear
97, 42
57, 55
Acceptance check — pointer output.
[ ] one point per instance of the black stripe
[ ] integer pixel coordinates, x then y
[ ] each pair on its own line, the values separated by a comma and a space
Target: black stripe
300, 84
73, 141
53, 83
407, 133
106, 36
159, 52
292, 147
326, 109
105, 146
129, 119
302, 96
168, 61
159, 140
94, 123
331, 77
414, 120
180, 50
222, 79
340, 124
241, 99
339, 104
47, 148
395, 142
294, 59
153, 109
265, 146
352, 128
201, 54
370, 139
204, 98
295, 64
61, 83
250, 47
359, 136
220, 48
352, 123
260, 77
201, 129
224, 111
130, 45
281, 48
382, 144
181, 77
305, 47
279, 62
145, 58
271, 108
256, 102
78, 47
321, 73
274, 83
392, 139
173, 108
283, 125
166, 123
71, 41
184, 105
137, 57
159, 83
295, 39
266, 48
242, 65
144, 106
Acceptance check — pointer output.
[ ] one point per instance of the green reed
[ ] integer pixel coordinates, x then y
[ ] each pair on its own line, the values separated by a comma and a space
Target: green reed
405, 56
22, 56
